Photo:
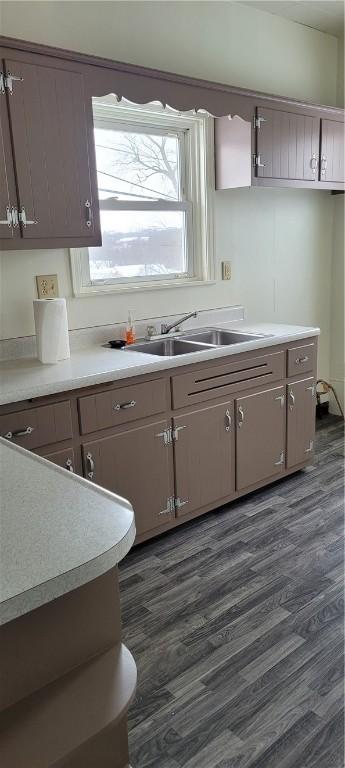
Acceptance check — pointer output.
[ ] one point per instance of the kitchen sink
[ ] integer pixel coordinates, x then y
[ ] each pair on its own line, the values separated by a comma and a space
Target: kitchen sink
218, 338
170, 347
196, 341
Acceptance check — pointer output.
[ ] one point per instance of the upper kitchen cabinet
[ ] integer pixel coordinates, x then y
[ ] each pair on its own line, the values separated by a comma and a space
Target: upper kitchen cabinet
8, 192
51, 126
332, 151
298, 146
287, 145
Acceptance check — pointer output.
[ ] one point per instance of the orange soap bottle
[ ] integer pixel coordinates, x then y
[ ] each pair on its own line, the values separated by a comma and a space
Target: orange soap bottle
130, 330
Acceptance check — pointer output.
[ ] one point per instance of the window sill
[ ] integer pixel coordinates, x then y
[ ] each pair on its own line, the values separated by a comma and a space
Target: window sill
93, 290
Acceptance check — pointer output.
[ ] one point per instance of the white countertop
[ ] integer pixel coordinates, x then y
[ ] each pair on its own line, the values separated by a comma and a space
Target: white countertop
58, 531
26, 378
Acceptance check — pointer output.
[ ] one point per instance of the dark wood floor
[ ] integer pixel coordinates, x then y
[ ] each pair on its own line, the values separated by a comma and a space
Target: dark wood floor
235, 621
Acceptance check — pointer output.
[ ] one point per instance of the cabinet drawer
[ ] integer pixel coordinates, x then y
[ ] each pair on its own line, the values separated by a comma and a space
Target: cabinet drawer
38, 426
122, 405
64, 459
237, 375
301, 359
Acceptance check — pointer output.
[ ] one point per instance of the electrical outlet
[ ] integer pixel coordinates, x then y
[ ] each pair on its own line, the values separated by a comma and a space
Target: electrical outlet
226, 270
47, 286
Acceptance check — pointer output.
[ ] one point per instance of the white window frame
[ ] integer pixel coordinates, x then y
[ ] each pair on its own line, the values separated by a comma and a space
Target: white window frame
197, 181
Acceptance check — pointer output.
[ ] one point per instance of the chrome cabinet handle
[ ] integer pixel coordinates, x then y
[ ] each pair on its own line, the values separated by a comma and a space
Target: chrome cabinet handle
22, 218
91, 464
124, 406
314, 163
227, 420
300, 360
240, 416
292, 400
310, 448
88, 213
311, 389
69, 465
19, 433
8, 219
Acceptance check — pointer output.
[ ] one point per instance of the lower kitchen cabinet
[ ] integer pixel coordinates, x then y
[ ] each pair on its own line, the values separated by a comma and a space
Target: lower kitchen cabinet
300, 421
260, 436
64, 458
204, 460
136, 464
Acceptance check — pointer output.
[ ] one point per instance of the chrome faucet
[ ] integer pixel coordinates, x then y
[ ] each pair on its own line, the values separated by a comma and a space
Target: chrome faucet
167, 328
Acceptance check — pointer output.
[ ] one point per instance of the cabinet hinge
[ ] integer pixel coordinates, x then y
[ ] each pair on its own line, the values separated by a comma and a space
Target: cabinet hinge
310, 447
166, 435
257, 161
11, 217
257, 120
280, 461
170, 435
281, 398
7, 80
170, 507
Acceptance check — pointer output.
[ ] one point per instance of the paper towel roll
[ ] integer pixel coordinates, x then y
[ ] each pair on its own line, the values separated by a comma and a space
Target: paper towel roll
51, 330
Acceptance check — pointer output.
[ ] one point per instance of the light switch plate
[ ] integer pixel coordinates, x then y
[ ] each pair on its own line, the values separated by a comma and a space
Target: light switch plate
47, 286
226, 270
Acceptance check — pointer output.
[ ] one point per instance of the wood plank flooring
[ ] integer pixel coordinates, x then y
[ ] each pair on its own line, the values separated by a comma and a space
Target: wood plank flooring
236, 624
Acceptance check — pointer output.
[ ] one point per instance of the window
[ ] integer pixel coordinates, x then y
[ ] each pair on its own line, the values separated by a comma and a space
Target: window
153, 171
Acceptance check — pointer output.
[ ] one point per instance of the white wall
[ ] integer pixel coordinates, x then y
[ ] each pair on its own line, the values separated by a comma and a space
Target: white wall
221, 41
279, 241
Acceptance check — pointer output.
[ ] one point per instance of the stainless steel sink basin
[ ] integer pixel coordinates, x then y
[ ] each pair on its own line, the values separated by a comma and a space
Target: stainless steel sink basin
196, 341
170, 347
219, 337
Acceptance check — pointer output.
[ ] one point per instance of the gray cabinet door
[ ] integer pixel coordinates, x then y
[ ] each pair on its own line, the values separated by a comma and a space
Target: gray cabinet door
332, 151
300, 421
287, 145
260, 436
8, 192
138, 465
204, 460
51, 124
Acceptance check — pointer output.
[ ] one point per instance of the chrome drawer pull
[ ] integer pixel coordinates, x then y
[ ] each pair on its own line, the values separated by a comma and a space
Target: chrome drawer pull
124, 406
302, 359
19, 433
91, 464
227, 420
69, 465
240, 416
292, 400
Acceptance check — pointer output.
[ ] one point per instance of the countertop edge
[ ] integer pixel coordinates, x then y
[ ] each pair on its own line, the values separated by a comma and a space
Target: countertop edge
64, 582
152, 365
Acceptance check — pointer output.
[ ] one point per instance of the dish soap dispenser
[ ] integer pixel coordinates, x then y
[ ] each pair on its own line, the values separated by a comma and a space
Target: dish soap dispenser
130, 330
